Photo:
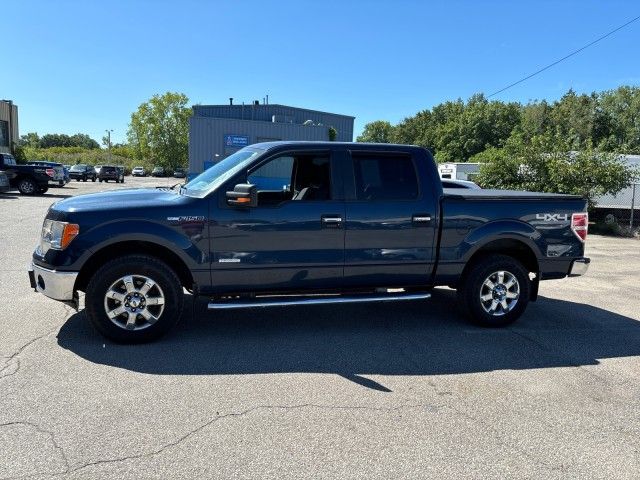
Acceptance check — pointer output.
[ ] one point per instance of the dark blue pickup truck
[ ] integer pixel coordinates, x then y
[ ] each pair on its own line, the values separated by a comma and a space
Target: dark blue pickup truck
290, 223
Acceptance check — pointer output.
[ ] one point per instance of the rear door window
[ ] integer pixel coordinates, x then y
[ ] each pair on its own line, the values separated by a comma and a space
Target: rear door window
385, 177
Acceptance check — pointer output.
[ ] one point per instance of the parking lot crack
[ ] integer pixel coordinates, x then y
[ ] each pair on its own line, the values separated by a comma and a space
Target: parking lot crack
12, 362
53, 441
429, 408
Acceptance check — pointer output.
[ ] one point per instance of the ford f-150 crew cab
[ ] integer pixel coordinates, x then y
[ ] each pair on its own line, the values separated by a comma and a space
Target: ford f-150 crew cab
290, 223
28, 179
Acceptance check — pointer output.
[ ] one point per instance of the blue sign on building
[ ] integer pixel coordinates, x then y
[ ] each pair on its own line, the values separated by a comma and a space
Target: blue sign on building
236, 141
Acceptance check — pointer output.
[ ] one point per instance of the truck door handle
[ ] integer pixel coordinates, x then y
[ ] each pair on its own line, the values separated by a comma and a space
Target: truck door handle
331, 221
421, 218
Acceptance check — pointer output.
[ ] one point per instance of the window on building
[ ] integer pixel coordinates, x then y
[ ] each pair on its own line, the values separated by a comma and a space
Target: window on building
388, 177
4, 133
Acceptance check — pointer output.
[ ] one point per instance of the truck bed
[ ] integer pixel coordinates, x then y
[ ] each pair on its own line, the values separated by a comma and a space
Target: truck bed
474, 194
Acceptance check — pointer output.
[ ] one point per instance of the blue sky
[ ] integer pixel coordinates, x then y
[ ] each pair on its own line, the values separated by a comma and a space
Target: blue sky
84, 66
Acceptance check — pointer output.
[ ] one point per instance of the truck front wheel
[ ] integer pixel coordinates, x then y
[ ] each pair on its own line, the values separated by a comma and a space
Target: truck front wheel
133, 299
495, 291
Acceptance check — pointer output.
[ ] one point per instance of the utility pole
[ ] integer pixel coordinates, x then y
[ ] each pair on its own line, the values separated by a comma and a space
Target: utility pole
633, 201
109, 143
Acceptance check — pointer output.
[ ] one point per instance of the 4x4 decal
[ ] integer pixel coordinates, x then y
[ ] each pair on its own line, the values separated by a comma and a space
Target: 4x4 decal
552, 217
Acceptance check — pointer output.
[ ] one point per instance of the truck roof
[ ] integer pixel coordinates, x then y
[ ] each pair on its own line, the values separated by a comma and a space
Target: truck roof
329, 144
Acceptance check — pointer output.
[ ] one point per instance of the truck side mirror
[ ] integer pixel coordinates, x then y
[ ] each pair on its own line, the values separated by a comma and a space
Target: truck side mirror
243, 195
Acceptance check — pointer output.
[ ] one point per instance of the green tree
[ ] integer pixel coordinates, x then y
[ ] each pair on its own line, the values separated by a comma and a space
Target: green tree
379, 131
546, 163
31, 139
457, 130
49, 140
84, 141
622, 108
332, 133
159, 130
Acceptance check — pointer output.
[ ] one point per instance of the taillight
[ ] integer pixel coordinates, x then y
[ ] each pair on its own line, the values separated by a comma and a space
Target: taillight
51, 172
580, 225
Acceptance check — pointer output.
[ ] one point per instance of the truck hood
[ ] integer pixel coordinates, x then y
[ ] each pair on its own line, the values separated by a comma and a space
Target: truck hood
123, 199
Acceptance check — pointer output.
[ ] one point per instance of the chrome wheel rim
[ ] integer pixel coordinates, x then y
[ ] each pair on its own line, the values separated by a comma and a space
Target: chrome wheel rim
134, 302
27, 187
499, 293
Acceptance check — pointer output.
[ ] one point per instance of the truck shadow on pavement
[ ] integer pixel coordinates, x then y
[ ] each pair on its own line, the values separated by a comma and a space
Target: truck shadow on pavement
419, 338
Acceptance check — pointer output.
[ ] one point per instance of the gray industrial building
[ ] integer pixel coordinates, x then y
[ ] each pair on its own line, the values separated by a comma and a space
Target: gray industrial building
216, 131
8, 125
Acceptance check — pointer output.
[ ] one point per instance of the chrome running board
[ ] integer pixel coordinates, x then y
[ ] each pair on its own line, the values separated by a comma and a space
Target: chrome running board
284, 301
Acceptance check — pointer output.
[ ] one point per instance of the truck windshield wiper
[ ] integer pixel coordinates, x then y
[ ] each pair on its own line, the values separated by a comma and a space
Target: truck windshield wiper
168, 188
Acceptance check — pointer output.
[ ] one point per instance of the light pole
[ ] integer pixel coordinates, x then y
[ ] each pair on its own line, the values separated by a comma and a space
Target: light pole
109, 143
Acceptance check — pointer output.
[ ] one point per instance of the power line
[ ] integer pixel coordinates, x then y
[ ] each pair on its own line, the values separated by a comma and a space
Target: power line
565, 57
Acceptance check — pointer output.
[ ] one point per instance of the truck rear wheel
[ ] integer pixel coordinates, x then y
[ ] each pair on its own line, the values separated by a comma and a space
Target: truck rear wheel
27, 186
495, 291
133, 299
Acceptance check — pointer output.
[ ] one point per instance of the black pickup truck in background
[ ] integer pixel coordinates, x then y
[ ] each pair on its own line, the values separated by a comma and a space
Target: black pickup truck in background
28, 179
304, 223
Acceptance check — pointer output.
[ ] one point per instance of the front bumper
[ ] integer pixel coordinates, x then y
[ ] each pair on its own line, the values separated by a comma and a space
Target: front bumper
52, 283
579, 267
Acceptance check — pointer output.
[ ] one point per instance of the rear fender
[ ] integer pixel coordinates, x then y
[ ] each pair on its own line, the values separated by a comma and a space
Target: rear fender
502, 230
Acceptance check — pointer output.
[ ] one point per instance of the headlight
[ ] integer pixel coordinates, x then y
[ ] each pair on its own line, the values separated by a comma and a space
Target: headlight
57, 235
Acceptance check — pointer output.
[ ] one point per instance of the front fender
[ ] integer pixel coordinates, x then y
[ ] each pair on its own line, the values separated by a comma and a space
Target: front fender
190, 243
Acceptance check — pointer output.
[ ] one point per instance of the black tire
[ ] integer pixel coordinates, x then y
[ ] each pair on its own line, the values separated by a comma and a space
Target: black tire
78, 179
43, 190
84, 179
93, 179
472, 287
27, 186
134, 265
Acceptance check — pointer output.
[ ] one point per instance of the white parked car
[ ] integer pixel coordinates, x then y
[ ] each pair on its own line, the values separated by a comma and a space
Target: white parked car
446, 183
139, 172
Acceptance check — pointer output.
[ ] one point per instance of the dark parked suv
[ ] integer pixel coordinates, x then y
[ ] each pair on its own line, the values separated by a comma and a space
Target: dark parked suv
83, 172
110, 172
158, 172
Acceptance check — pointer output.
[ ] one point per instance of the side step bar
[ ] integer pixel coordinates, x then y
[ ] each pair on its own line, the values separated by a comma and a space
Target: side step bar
283, 301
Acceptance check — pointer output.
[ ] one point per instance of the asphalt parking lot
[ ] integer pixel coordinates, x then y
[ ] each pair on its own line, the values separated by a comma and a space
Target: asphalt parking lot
396, 390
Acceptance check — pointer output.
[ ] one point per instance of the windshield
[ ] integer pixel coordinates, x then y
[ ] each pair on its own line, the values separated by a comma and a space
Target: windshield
219, 173
77, 167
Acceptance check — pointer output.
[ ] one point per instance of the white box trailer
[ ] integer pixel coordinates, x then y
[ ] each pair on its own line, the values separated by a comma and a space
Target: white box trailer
625, 198
458, 171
